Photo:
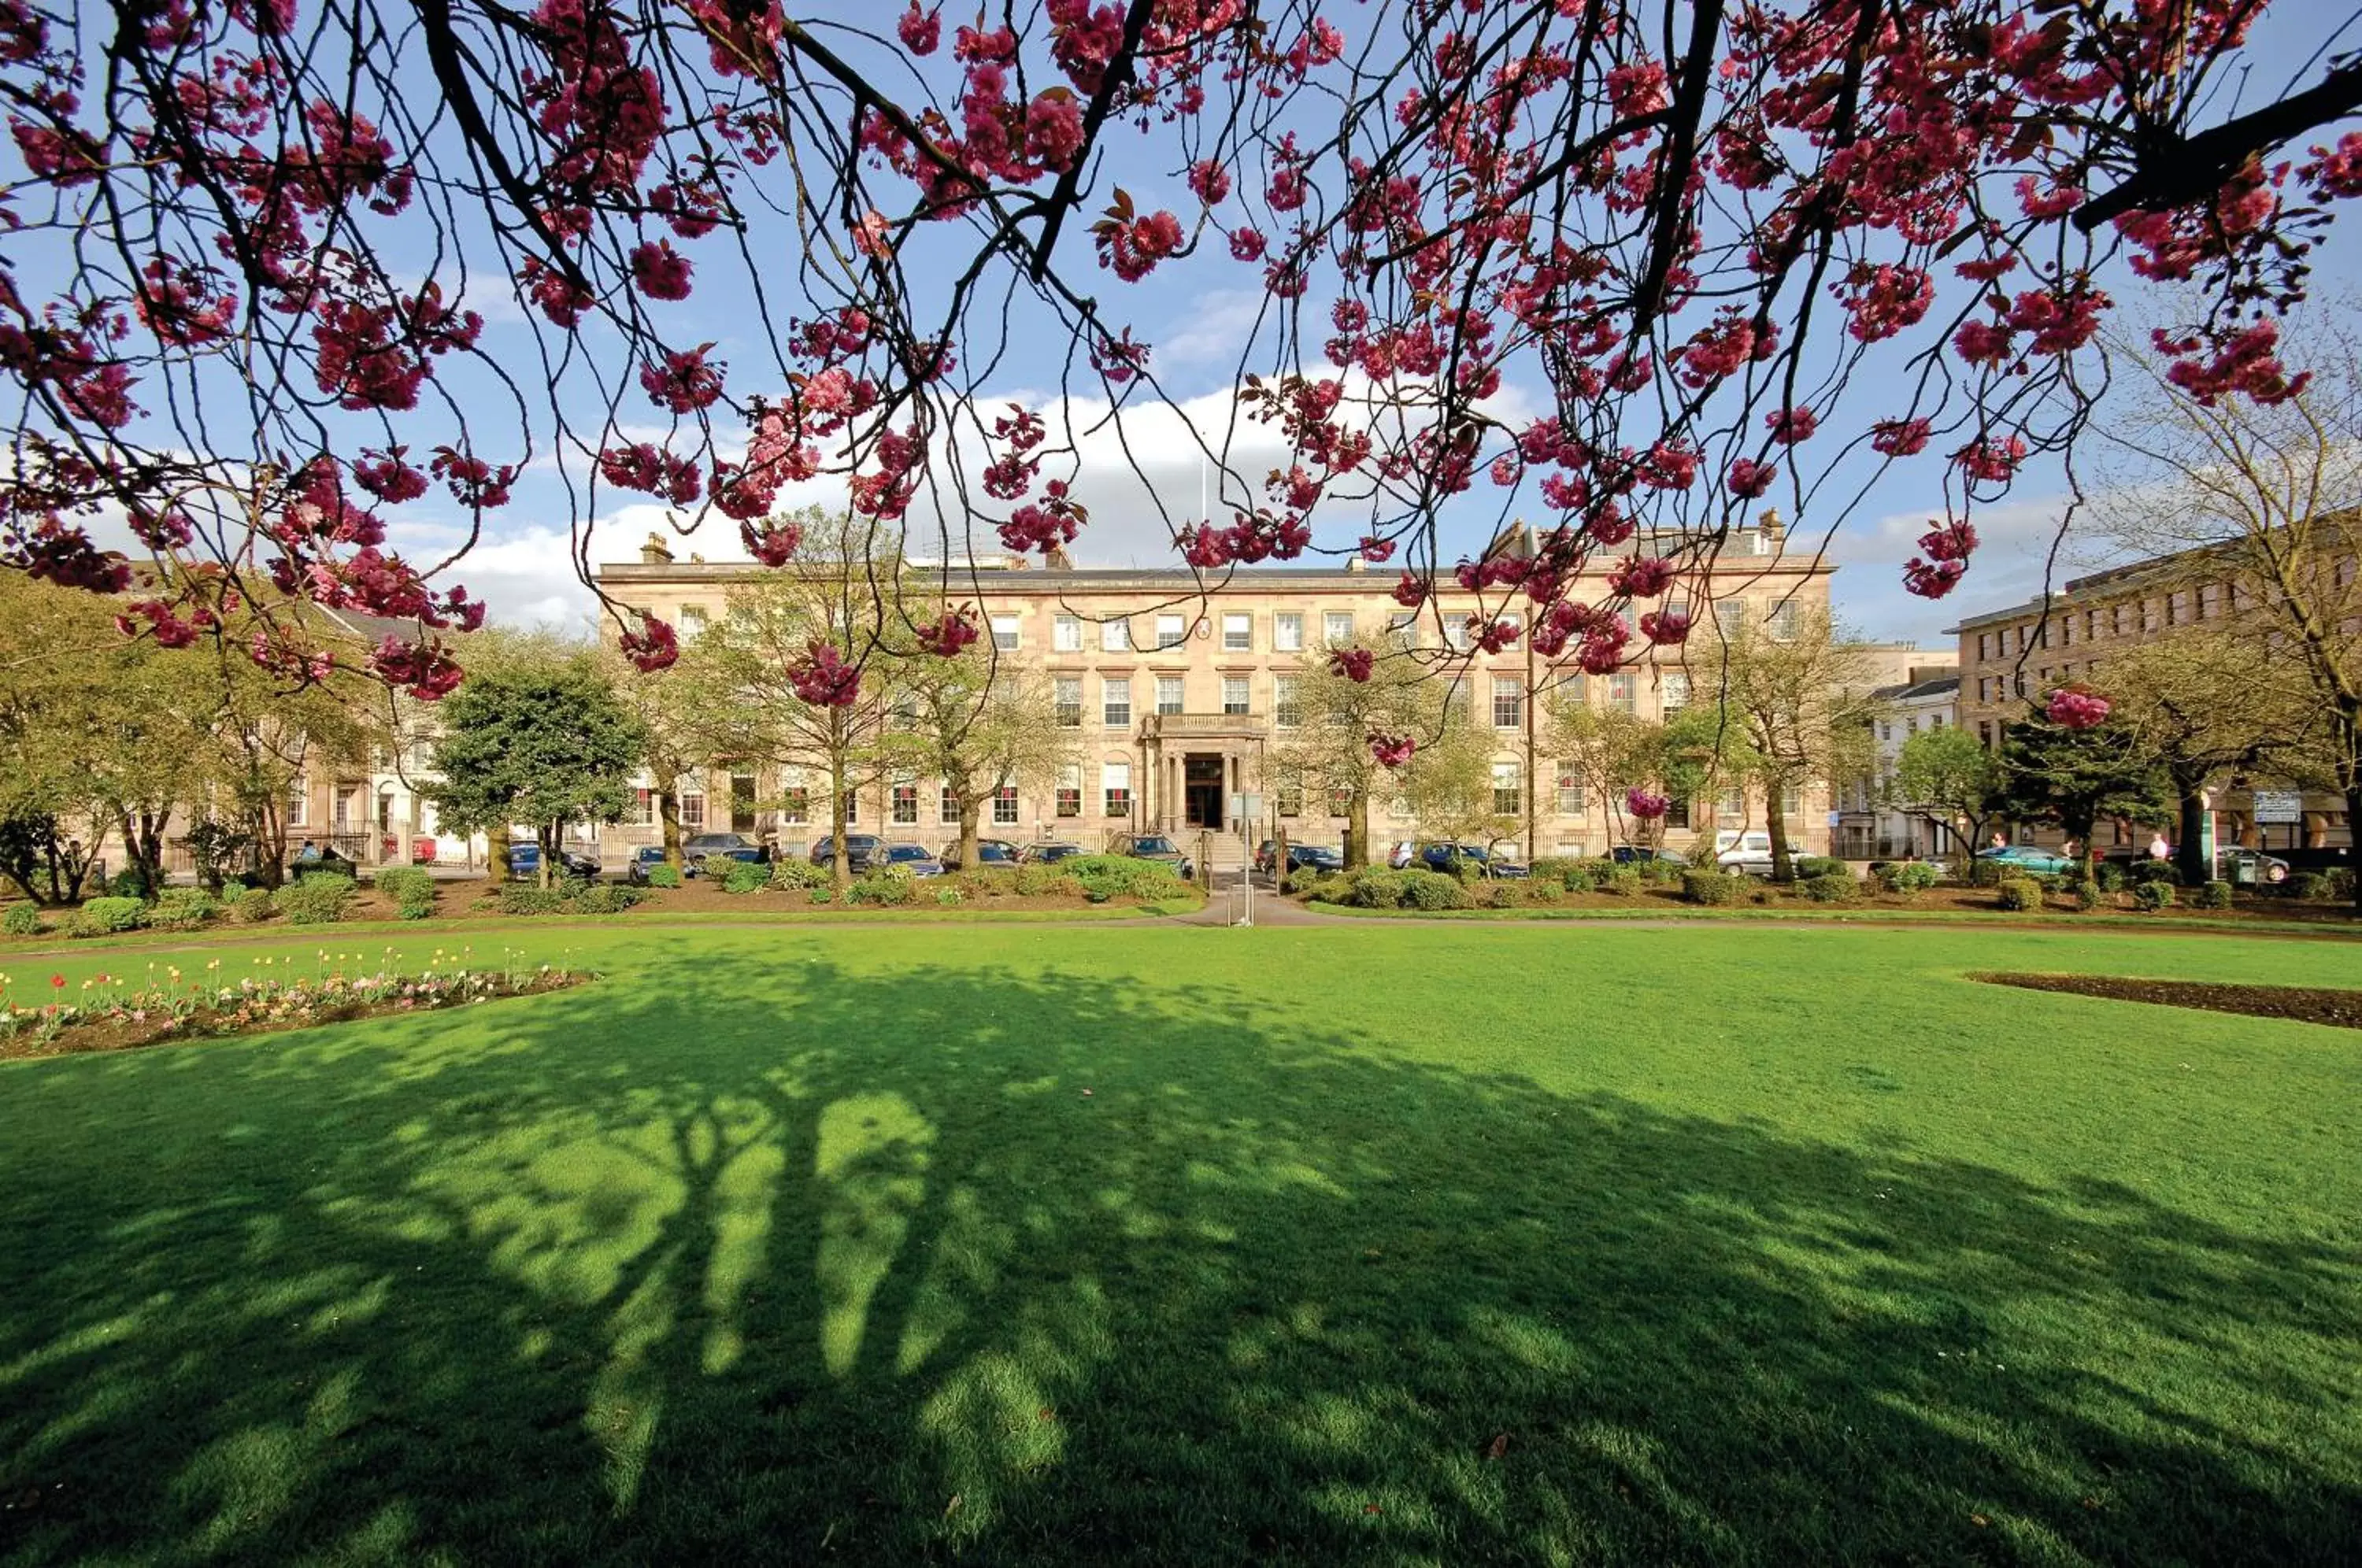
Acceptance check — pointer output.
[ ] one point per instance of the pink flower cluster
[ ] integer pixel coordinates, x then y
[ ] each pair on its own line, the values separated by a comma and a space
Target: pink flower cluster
654, 647
822, 678
1943, 559
2073, 707
1646, 804
947, 634
1392, 751
1353, 664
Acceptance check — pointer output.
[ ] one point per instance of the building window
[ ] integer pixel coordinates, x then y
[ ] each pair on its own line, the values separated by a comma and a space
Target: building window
1066, 633
1070, 791
795, 805
1340, 800
1730, 617
1337, 627
1238, 633
1168, 694
692, 810
1885, 731
1234, 694
1115, 787
2067, 630
1004, 633
1291, 799
905, 802
693, 620
1286, 712
1171, 631
1455, 699
1791, 801
643, 808
1677, 811
947, 807
1783, 621
1115, 701
1456, 635
1984, 733
1508, 703
852, 805
2210, 599
1984, 644
1505, 789
1574, 691
1732, 807
1115, 636
1623, 693
299, 805
1571, 802
1673, 689
1069, 699
1288, 634
1402, 628
1004, 806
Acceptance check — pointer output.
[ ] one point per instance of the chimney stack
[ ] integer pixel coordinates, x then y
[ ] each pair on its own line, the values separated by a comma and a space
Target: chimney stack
656, 552
1775, 533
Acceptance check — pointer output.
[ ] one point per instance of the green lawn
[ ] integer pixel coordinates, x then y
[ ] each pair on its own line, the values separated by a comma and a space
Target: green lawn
890, 1245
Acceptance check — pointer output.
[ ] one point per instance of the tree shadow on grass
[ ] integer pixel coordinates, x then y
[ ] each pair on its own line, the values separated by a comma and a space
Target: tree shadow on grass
967, 1265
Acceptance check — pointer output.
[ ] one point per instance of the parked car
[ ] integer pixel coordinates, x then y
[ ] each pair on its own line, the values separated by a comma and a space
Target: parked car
695, 852
314, 856
989, 852
916, 859
1642, 855
1050, 853
1155, 846
2250, 868
1440, 857
860, 848
524, 863
1300, 856
643, 859
1748, 854
2030, 858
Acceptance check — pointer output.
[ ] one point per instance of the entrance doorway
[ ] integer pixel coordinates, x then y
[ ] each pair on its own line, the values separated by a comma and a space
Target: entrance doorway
1201, 790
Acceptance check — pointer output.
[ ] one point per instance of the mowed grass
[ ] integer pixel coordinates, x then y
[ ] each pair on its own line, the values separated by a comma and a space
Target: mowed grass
1379, 1244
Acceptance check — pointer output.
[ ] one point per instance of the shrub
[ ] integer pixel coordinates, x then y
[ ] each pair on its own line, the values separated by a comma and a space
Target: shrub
1434, 890
2147, 871
791, 876
745, 876
22, 920
1579, 880
1375, 887
1044, 881
986, 882
2111, 877
411, 889
1302, 881
101, 916
1335, 887
947, 896
881, 887
1909, 878
822, 895
1104, 877
1711, 887
1574, 875
2214, 896
182, 908
2087, 895
524, 898
1832, 888
1542, 891
316, 898
253, 906
2341, 881
2308, 885
1624, 882
1811, 865
2154, 894
606, 898
664, 874
2020, 893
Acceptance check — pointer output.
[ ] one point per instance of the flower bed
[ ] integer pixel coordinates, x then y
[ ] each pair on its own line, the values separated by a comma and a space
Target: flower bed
113, 1012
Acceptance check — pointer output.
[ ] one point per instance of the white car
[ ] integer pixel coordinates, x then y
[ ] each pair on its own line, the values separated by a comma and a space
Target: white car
1750, 854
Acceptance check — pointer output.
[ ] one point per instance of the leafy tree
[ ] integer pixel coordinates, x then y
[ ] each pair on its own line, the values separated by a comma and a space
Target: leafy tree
1666, 214
670, 706
2205, 703
2075, 778
1607, 748
539, 739
1447, 785
977, 723
1330, 750
1801, 701
1946, 776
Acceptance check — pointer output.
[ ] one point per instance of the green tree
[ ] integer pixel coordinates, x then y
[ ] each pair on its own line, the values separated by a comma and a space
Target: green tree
1801, 700
536, 736
1448, 784
1947, 779
2077, 778
977, 723
1328, 751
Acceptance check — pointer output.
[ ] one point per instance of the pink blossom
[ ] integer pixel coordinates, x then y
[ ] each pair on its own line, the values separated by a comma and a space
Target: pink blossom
1353, 664
654, 647
1646, 804
773, 543
661, 273
920, 30
2073, 707
1392, 751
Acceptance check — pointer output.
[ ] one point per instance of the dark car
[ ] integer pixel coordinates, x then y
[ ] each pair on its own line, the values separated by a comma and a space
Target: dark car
645, 859
860, 848
915, 859
1641, 855
989, 852
1440, 857
320, 857
524, 863
1300, 856
1050, 853
696, 852
1154, 846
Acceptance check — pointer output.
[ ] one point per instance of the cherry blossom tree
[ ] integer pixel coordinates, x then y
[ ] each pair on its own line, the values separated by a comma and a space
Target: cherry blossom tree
1618, 264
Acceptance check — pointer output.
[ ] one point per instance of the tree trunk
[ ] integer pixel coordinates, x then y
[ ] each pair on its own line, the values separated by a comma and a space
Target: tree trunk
970, 811
840, 868
668, 816
1775, 824
1357, 830
2190, 856
546, 834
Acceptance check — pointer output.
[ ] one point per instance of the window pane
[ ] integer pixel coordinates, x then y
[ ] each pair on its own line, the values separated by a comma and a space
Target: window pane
1337, 627
1115, 787
1234, 694
1169, 631
1507, 793
1004, 806
1623, 692
1508, 703
1285, 708
1676, 691
947, 808
1168, 694
1066, 634
1570, 790
1070, 702
1115, 701
1115, 636
1288, 634
1238, 633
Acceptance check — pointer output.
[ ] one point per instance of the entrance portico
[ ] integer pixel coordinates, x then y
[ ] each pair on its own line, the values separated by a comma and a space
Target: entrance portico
1199, 762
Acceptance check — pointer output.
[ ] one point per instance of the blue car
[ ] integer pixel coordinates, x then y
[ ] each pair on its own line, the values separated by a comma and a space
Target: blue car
915, 859
1440, 856
2026, 857
524, 863
645, 859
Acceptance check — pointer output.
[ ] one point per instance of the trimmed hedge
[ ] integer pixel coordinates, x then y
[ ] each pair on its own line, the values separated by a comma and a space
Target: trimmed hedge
316, 898
2020, 893
2214, 896
22, 920
2308, 885
1832, 888
1104, 877
1811, 865
1435, 891
99, 917
253, 906
1713, 888
182, 909
2154, 894
664, 874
